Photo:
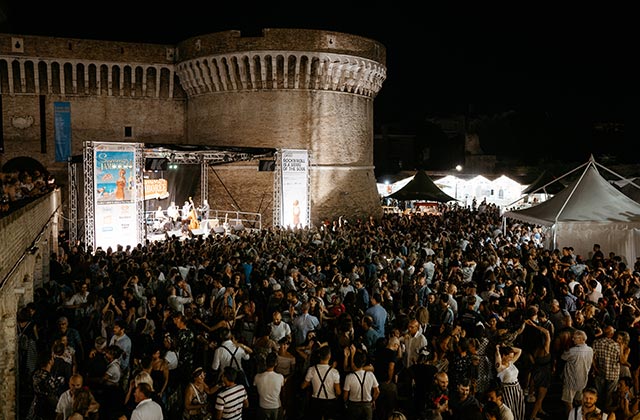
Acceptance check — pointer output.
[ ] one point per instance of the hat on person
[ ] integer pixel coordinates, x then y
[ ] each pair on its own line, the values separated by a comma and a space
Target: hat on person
276, 287
100, 343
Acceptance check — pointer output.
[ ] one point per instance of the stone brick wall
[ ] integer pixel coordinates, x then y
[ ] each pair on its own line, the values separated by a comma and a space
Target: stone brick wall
316, 92
86, 49
28, 236
282, 39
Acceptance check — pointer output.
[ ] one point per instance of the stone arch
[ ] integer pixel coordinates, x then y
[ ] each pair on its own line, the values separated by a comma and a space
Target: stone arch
303, 76
165, 78
68, 78
246, 69
127, 81
93, 79
256, 72
269, 72
292, 73
29, 77
314, 73
152, 81
115, 81
81, 87
25, 163
138, 74
15, 75
279, 72
43, 77
104, 80
55, 78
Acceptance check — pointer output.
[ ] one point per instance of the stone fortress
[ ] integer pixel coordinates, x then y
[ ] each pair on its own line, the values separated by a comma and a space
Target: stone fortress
286, 89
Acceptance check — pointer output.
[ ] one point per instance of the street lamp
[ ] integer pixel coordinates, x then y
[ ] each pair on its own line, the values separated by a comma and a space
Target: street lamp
459, 169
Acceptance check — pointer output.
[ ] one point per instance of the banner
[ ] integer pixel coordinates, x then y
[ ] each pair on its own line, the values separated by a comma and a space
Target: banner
156, 189
115, 195
295, 188
62, 129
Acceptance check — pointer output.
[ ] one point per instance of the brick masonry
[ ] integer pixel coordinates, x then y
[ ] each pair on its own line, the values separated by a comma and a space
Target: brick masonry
28, 236
316, 92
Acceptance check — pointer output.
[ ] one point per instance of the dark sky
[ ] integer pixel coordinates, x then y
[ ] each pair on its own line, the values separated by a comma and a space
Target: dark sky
543, 81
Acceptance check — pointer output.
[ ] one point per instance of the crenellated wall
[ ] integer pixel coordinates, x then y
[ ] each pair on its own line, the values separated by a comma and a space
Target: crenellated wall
289, 88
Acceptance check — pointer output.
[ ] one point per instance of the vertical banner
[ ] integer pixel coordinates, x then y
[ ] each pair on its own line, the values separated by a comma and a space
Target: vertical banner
115, 195
62, 129
295, 188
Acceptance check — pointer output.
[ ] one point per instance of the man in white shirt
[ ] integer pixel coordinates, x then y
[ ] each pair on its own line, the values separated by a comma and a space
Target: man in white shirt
325, 383
360, 390
495, 395
177, 302
78, 301
588, 406
414, 340
147, 409
278, 328
65, 403
231, 353
269, 386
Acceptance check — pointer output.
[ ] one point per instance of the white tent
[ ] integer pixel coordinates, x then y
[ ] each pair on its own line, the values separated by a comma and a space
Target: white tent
500, 191
589, 210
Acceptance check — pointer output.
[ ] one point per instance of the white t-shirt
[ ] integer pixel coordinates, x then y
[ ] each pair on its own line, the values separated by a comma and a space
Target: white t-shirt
269, 384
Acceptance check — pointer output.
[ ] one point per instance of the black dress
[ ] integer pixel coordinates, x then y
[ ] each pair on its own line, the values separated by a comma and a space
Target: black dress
45, 399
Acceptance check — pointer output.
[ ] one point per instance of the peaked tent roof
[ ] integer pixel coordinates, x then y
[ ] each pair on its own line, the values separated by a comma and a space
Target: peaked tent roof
545, 183
421, 187
590, 198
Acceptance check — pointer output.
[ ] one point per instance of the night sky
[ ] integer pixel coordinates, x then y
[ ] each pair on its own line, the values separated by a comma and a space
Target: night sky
538, 83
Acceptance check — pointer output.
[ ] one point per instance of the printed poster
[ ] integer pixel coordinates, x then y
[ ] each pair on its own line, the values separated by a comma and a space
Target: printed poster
115, 195
295, 192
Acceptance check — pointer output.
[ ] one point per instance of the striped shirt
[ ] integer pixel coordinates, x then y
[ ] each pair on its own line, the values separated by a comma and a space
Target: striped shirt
231, 401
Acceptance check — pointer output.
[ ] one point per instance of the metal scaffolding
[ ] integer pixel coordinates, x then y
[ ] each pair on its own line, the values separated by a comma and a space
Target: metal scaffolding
73, 200
89, 191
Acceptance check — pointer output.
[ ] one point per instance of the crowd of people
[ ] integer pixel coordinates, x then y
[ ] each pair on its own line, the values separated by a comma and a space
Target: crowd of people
18, 187
441, 316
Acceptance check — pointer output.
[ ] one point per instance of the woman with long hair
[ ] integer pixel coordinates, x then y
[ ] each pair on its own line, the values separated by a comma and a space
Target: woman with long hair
542, 371
160, 371
623, 338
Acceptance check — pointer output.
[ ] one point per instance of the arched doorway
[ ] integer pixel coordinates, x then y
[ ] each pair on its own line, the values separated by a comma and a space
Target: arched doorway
25, 164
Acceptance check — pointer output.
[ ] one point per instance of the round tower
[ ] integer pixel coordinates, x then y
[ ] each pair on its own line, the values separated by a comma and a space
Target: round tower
291, 89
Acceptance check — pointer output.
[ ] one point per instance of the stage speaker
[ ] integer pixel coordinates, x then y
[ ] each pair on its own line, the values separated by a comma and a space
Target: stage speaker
156, 164
267, 166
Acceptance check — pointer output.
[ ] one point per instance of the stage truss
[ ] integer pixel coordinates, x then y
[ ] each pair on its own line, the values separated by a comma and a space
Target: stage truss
205, 158
90, 190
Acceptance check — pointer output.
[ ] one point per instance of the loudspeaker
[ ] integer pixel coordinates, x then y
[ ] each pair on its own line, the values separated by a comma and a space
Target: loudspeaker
267, 166
156, 164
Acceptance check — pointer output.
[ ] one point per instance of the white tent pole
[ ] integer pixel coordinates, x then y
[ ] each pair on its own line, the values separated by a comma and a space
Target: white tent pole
543, 188
618, 175
557, 179
590, 162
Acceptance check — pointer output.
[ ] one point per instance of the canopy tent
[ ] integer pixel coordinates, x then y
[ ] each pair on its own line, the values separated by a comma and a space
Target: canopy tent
589, 210
546, 183
421, 187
